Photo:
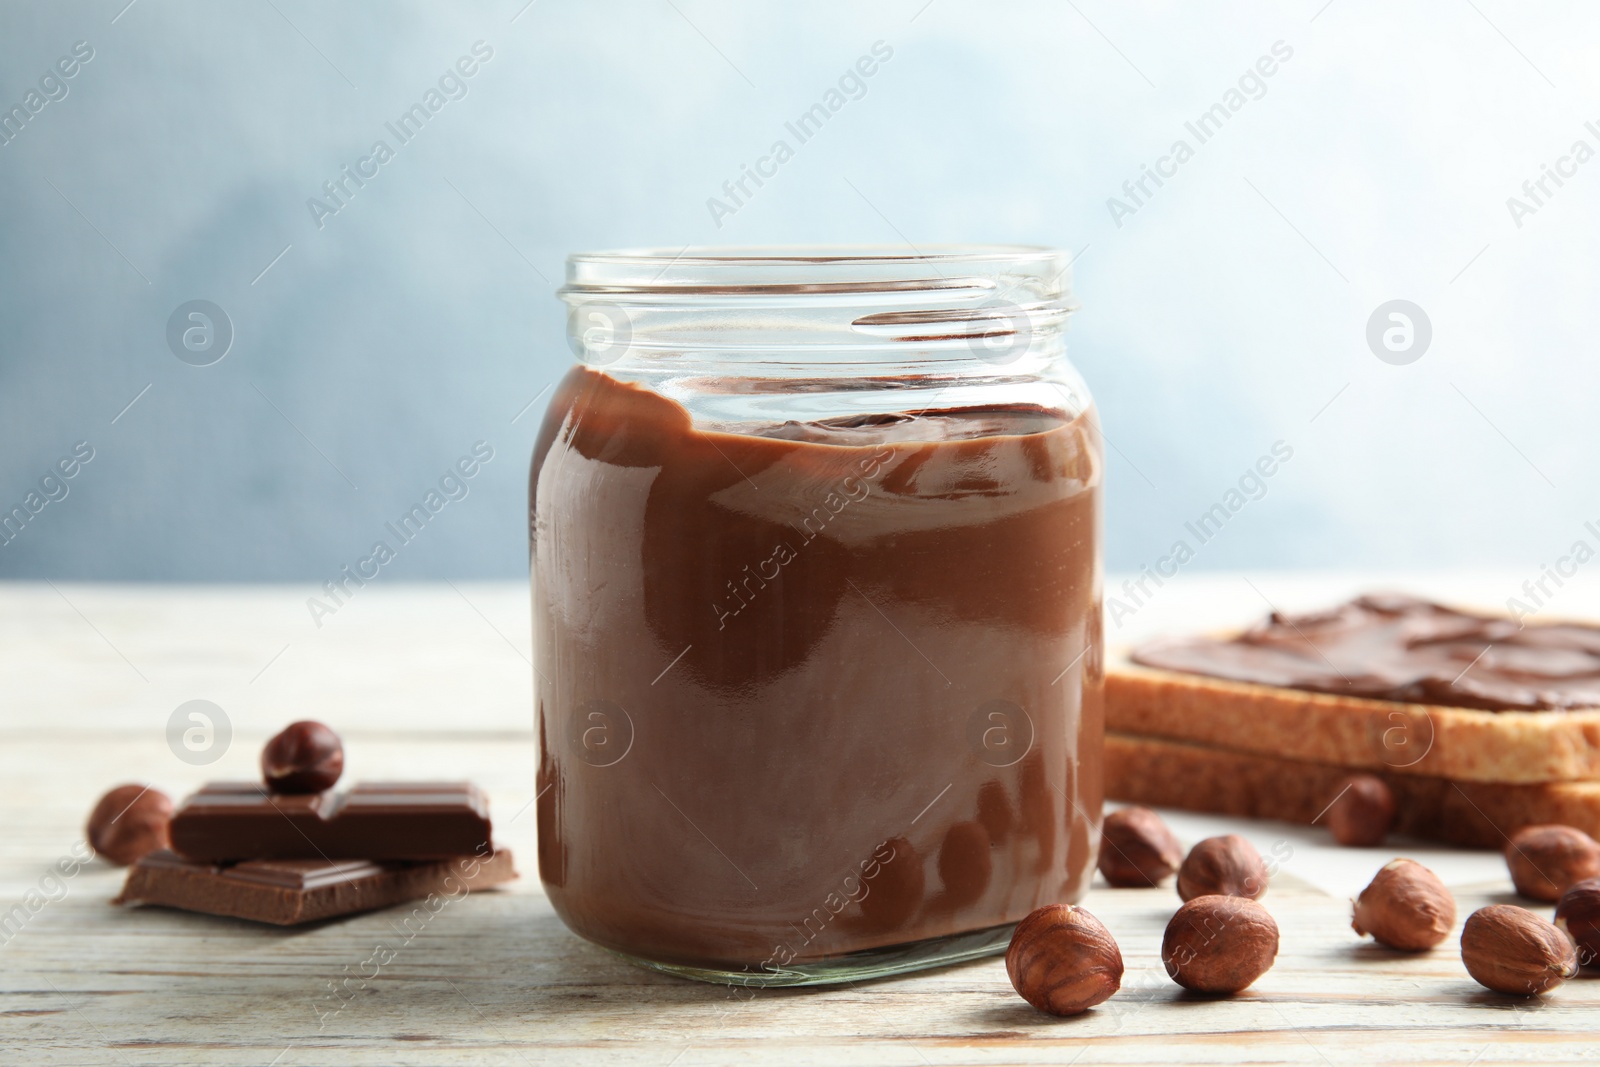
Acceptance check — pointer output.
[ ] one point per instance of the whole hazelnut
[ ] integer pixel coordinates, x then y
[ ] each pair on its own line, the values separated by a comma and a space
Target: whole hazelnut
1579, 915
1137, 849
130, 822
307, 757
1546, 860
1062, 960
1405, 907
1362, 811
1512, 950
1227, 866
1219, 944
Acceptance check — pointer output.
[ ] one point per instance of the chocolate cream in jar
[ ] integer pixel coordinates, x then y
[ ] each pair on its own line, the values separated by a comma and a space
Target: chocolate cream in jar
815, 544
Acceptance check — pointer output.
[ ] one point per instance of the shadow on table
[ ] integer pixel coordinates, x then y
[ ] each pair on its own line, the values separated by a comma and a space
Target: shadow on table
558, 971
1371, 952
1017, 1018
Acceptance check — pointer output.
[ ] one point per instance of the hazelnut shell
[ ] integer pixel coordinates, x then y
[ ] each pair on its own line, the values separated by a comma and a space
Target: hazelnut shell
1511, 950
1219, 944
1137, 848
1363, 811
1405, 907
1063, 960
1546, 860
129, 823
1226, 866
304, 757
1578, 915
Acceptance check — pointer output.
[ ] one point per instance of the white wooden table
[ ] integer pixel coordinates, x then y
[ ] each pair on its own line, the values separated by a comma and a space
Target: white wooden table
432, 681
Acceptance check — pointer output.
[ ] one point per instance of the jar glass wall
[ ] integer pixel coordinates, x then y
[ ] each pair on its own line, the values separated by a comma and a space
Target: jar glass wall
816, 587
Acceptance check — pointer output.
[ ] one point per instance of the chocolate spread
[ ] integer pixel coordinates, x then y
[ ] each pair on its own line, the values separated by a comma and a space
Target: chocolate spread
811, 688
1390, 647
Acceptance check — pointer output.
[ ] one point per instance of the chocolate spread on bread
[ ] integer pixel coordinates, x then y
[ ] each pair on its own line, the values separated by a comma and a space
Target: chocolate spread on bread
811, 688
1390, 647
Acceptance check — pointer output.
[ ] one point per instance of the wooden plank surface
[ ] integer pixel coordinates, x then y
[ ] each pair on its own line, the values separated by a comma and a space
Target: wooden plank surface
431, 681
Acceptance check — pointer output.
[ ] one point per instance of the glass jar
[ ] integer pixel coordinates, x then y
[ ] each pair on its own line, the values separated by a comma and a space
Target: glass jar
816, 603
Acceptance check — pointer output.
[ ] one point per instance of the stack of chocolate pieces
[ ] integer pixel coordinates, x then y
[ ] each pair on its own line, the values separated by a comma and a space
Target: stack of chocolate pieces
291, 849
1477, 725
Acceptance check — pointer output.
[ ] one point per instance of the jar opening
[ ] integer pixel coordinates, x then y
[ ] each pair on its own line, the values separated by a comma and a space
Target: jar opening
822, 303
1037, 272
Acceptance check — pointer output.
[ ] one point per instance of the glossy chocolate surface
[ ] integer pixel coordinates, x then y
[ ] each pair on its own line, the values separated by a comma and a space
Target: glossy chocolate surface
810, 688
286, 892
370, 821
1390, 647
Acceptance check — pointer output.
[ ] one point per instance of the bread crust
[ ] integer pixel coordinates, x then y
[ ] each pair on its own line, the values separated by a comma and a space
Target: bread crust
1429, 740
1176, 774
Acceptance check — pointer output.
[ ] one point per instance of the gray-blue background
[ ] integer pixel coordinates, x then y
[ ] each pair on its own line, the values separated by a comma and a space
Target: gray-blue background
1228, 312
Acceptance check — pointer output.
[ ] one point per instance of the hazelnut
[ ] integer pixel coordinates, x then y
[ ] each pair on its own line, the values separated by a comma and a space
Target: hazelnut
1546, 860
1219, 944
1227, 866
130, 822
1062, 960
1579, 915
1137, 849
1512, 950
1405, 907
1362, 811
306, 757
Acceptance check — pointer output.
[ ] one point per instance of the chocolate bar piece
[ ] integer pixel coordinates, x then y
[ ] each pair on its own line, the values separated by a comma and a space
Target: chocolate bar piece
371, 821
287, 892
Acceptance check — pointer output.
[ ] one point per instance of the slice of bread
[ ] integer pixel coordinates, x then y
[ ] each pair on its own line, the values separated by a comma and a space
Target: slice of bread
1381, 735
1176, 774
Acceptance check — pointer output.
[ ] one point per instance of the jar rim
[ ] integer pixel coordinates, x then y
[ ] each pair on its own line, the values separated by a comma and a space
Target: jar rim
712, 269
